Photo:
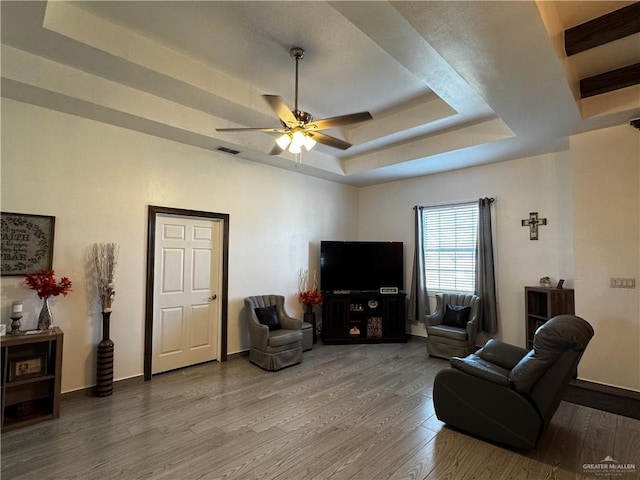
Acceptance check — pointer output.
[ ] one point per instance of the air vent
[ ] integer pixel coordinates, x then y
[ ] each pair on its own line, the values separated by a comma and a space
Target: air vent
228, 150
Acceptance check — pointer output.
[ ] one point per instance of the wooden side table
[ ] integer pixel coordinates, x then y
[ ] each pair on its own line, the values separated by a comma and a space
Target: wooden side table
31, 377
542, 304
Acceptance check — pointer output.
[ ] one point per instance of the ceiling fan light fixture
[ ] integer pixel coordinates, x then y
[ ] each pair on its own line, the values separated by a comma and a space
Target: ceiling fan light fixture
309, 142
298, 128
295, 149
297, 138
283, 141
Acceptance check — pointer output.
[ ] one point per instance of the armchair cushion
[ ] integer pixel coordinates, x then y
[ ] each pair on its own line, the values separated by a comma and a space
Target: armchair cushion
502, 354
284, 337
268, 316
456, 316
478, 367
528, 370
551, 340
445, 331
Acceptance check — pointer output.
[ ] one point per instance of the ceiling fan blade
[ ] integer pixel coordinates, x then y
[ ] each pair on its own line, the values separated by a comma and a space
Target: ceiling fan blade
276, 150
281, 109
329, 140
251, 129
340, 120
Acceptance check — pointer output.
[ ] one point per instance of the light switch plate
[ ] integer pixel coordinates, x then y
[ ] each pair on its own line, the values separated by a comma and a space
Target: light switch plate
619, 282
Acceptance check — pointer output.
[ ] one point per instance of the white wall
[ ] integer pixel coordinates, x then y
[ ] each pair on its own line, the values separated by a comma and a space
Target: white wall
590, 196
606, 177
540, 184
98, 180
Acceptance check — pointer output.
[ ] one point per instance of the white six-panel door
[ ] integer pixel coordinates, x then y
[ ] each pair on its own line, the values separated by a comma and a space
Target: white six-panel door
186, 285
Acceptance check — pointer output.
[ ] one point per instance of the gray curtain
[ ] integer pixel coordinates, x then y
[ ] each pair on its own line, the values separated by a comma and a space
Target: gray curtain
418, 302
485, 275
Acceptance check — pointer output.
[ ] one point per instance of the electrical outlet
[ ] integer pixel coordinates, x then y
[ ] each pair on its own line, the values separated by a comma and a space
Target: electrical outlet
619, 282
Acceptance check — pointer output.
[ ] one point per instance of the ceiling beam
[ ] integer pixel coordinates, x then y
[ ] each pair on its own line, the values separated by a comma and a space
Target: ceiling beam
607, 28
609, 81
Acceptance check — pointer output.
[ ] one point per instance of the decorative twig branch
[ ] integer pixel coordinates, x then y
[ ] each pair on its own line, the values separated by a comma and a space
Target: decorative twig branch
308, 293
105, 259
303, 276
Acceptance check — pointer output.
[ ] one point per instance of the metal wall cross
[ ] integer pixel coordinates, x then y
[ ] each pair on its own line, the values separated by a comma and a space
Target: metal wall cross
532, 222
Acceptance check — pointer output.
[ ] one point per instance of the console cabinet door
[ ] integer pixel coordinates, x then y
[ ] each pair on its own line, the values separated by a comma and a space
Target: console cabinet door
335, 320
393, 325
341, 312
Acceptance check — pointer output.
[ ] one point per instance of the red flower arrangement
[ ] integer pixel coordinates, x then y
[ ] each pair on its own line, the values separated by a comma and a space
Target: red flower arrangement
45, 284
310, 297
308, 292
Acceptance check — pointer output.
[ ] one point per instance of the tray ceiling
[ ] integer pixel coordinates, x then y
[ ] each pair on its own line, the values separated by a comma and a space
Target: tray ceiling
450, 85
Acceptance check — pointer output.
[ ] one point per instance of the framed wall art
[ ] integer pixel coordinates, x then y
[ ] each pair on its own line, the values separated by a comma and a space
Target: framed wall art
27, 366
27, 243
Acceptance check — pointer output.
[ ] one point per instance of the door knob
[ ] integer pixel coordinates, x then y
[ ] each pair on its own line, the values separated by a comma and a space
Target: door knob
212, 298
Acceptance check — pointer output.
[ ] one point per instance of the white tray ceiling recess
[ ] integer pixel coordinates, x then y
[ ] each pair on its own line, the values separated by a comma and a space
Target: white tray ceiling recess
449, 84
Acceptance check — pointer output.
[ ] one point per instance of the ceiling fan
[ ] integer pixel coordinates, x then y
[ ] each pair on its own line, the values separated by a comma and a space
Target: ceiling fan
298, 128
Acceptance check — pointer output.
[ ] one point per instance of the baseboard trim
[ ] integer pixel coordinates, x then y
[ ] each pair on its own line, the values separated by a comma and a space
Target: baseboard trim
604, 397
241, 353
89, 391
124, 382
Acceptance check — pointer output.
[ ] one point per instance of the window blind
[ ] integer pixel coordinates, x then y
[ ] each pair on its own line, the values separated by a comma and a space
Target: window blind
450, 235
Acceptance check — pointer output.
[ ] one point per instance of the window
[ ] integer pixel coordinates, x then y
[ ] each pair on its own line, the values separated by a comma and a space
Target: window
449, 247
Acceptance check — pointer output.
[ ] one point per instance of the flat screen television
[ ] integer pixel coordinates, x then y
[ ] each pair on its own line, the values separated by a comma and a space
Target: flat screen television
361, 266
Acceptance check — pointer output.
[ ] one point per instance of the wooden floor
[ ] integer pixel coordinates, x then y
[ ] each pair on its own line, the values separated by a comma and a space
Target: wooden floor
359, 412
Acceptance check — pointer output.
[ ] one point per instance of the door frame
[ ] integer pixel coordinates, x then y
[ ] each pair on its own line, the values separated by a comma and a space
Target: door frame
153, 212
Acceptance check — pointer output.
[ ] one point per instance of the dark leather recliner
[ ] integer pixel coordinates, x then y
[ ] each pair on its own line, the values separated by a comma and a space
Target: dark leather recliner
507, 394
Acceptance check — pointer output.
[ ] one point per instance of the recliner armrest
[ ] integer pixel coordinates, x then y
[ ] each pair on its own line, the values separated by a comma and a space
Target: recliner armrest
502, 354
477, 367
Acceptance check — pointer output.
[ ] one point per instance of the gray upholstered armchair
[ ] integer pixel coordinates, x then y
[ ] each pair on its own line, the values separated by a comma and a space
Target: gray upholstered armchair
453, 331
276, 338
507, 394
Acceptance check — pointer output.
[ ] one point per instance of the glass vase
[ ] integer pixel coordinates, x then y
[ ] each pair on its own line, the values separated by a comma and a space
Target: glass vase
45, 319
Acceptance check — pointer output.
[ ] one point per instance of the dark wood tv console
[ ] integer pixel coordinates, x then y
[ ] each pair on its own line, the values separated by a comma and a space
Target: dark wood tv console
363, 318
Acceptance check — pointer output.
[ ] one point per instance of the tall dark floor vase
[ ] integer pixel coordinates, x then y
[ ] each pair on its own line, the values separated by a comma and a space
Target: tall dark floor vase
104, 375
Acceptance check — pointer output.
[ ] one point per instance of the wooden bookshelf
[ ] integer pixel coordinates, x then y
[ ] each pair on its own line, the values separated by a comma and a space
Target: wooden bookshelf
33, 394
542, 304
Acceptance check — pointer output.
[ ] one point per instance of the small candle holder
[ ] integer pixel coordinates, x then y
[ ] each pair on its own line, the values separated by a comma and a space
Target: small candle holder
15, 324
16, 315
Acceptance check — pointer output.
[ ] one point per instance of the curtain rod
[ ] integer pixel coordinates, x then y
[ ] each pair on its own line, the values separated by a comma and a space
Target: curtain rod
452, 204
